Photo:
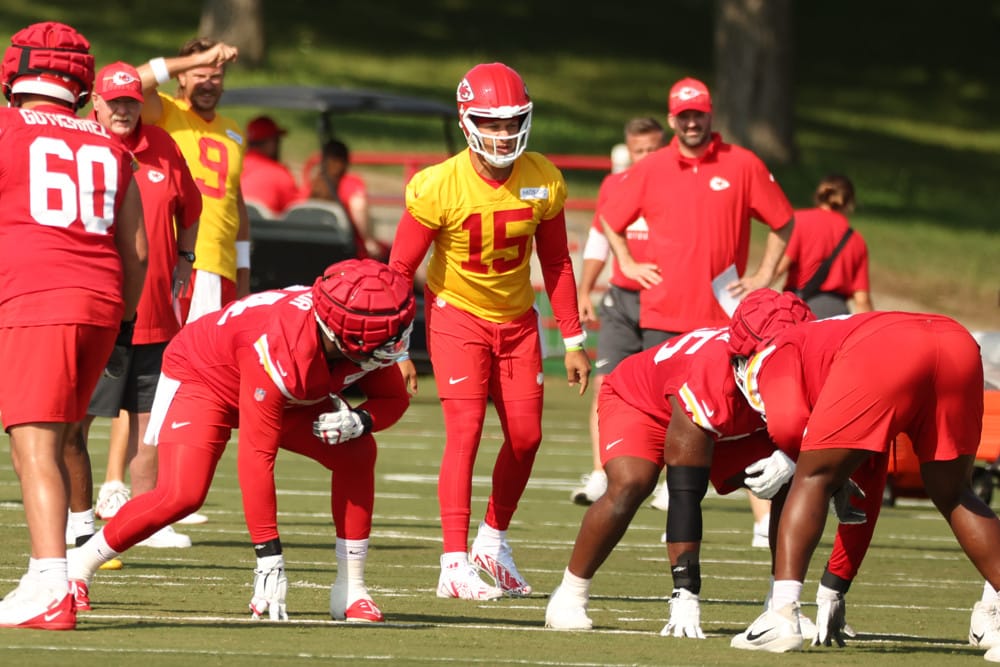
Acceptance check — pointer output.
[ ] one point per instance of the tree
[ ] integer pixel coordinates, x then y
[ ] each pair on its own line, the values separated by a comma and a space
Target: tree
754, 100
236, 22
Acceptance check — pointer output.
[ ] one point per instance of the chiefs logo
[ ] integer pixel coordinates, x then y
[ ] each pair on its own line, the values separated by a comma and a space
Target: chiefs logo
122, 79
687, 93
155, 176
464, 92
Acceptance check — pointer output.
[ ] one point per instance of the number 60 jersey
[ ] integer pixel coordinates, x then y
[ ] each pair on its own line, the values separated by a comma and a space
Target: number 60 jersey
62, 179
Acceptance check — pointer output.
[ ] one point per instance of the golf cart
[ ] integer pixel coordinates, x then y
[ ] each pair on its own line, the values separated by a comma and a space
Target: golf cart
295, 247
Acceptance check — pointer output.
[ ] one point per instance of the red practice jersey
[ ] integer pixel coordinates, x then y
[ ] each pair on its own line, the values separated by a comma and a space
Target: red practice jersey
636, 235
698, 212
262, 355
62, 179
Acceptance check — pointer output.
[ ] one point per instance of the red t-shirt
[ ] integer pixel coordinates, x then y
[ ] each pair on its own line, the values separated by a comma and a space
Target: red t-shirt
268, 182
169, 196
62, 180
816, 233
636, 235
698, 212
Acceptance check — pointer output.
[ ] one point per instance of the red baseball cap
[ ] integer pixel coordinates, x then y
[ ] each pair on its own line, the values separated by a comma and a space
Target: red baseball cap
118, 80
263, 128
689, 94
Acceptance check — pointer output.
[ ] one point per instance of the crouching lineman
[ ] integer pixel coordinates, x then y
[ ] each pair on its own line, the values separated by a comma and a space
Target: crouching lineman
272, 364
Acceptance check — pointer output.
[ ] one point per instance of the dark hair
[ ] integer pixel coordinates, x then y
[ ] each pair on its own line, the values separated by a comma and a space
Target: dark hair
336, 150
642, 125
836, 192
197, 45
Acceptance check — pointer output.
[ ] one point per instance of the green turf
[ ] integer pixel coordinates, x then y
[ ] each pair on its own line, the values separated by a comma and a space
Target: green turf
910, 605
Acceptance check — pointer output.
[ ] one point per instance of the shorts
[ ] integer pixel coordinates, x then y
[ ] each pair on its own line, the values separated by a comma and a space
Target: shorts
922, 377
620, 334
206, 293
134, 390
476, 358
828, 304
50, 371
189, 414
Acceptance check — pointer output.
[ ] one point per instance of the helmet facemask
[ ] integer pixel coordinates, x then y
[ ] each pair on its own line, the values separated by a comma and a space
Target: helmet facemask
383, 356
480, 142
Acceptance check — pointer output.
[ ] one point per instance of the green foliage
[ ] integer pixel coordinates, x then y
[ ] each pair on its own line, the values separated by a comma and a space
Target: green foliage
911, 603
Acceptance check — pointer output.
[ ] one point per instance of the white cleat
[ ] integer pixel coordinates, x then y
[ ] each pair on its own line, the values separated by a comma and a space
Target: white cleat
111, 497
984, 626
595, 484
461, 580
661, 499
166, 538
564, 612
774, 631
499, 564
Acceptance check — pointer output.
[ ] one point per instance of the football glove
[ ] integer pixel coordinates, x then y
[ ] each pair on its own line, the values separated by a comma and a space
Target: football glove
767, 476
685, 616
270, 587
831, 618
118, 361
841, 503
341, 425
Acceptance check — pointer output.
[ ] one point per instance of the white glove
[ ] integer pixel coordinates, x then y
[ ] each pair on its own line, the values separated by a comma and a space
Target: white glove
831, 618
766, 477
270, 587
841, 503
685, 616
339, 426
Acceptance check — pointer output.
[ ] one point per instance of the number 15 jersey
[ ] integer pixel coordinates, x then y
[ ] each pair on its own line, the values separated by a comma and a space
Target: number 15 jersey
482, 249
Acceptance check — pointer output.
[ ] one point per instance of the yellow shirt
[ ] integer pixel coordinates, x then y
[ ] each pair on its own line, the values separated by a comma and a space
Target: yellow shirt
214, 154
480, 258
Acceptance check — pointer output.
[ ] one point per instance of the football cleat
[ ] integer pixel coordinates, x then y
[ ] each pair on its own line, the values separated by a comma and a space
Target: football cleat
81, 594
761, 529
564, 612
192, 519
110, 499
594, 486
499, 564
166, 538
661, 499
993, 655
774, 631
984, 626
362, 609
38, 606
461, 580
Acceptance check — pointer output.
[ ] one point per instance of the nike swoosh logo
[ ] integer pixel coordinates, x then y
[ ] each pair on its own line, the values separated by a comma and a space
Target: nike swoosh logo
612, 444
752, 637
179, 424
979, 638
49, 617
708, 412
457, 380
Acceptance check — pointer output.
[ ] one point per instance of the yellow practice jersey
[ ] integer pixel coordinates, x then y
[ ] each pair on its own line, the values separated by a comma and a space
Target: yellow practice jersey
482, 248
214, 154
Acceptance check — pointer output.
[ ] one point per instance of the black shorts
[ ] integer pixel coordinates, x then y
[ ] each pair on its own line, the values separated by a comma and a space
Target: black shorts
620, 333
134, 390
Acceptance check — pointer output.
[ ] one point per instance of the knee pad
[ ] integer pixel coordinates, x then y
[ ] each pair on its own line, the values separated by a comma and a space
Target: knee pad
687, 486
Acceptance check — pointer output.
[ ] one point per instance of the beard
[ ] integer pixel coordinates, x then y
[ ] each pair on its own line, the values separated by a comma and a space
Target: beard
695, 139
204, 99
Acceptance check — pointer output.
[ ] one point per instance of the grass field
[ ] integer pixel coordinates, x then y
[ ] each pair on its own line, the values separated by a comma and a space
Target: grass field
911, 604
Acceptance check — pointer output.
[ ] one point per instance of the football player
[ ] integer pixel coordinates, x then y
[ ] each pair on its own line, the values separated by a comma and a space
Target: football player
483, 210
71, 235
844, 388
273, 365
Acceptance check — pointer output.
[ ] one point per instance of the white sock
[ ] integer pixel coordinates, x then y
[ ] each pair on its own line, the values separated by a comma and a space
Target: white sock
81, 524
770, 593
51, 571
490, 536
576, 586
351, 557
86, 559
785, 592
989, 594
451, 557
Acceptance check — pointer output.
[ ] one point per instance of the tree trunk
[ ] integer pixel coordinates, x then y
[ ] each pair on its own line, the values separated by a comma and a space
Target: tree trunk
236, 22
754, 101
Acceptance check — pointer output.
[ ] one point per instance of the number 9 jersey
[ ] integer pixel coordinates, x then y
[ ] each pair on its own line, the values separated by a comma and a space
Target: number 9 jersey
482, 248
62, 180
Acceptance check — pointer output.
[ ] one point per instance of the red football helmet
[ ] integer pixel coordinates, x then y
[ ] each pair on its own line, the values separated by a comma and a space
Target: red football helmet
761, 316
366, 309
50, 59
493, 91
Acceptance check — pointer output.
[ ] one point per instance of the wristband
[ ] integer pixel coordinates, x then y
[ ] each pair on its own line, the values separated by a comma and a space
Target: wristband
242, 254
575, 348
575, 342
160, 70
404, 357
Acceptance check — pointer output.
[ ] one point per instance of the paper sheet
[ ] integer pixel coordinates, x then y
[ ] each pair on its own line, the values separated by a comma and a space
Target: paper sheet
722, 295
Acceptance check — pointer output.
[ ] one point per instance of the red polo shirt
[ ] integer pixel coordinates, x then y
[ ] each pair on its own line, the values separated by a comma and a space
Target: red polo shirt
817, 232
698, 212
